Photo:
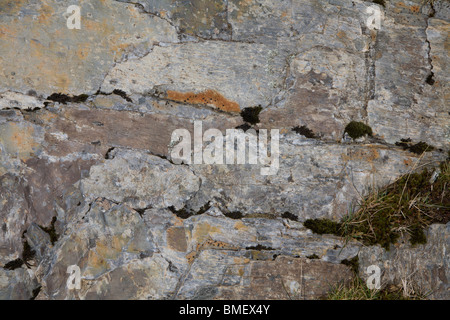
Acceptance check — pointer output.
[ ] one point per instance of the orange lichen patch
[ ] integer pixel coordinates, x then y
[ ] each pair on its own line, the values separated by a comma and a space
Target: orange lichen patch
83, 51
96, 263
110, 250
11, 7
407, 162
362, 154
47, 13
239, 260
341, 35
414, 9
203, 231
18, 140
208, 244
239, 225
208, 97
6, 31
190, 257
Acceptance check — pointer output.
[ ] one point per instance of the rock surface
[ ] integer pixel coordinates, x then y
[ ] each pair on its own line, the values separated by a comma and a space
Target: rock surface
87, 177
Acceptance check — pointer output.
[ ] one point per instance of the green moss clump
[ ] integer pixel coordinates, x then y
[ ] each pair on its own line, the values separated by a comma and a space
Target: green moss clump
304, 131
411, 203
380, 2
122, 94
417, 148
35, 292
353, 263
290, 216
251, 114
12, 265
244, 127
417, 235
357, 129
234, 215
64, 98
421, 147
182, 213
323, 226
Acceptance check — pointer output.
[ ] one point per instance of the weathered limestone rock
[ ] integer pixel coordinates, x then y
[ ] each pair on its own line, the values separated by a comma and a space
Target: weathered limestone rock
339, 172
9, 100
202, 18
51, 58
16, 285
425, 267
86, 119
13, 212
141, 181
107, 237
410, 80
195, 71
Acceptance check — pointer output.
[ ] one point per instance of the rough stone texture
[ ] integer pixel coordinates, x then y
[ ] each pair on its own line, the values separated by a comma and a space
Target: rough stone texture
425, 266
140, 226
141, 181
71, 61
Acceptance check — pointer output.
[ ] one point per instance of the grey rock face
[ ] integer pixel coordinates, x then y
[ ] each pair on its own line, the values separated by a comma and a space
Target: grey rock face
141, 181
87, 177
424, 266
51, 58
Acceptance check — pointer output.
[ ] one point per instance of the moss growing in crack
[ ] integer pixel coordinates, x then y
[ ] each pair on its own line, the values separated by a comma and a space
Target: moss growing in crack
234, 215
244, 127
51, 231
417, 235
251, 114
260, 247
430, 79
404, 143
27, 254
204, 208
323, 226
290, 216
357, 129
122, 94
184, 214
352, 263
417, 148
406, 206
64, 98
421, 147
380, 2
35, 292
304, 131
12, 265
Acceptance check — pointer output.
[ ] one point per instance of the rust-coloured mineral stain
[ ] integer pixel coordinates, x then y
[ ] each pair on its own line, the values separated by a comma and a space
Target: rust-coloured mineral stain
208, 97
